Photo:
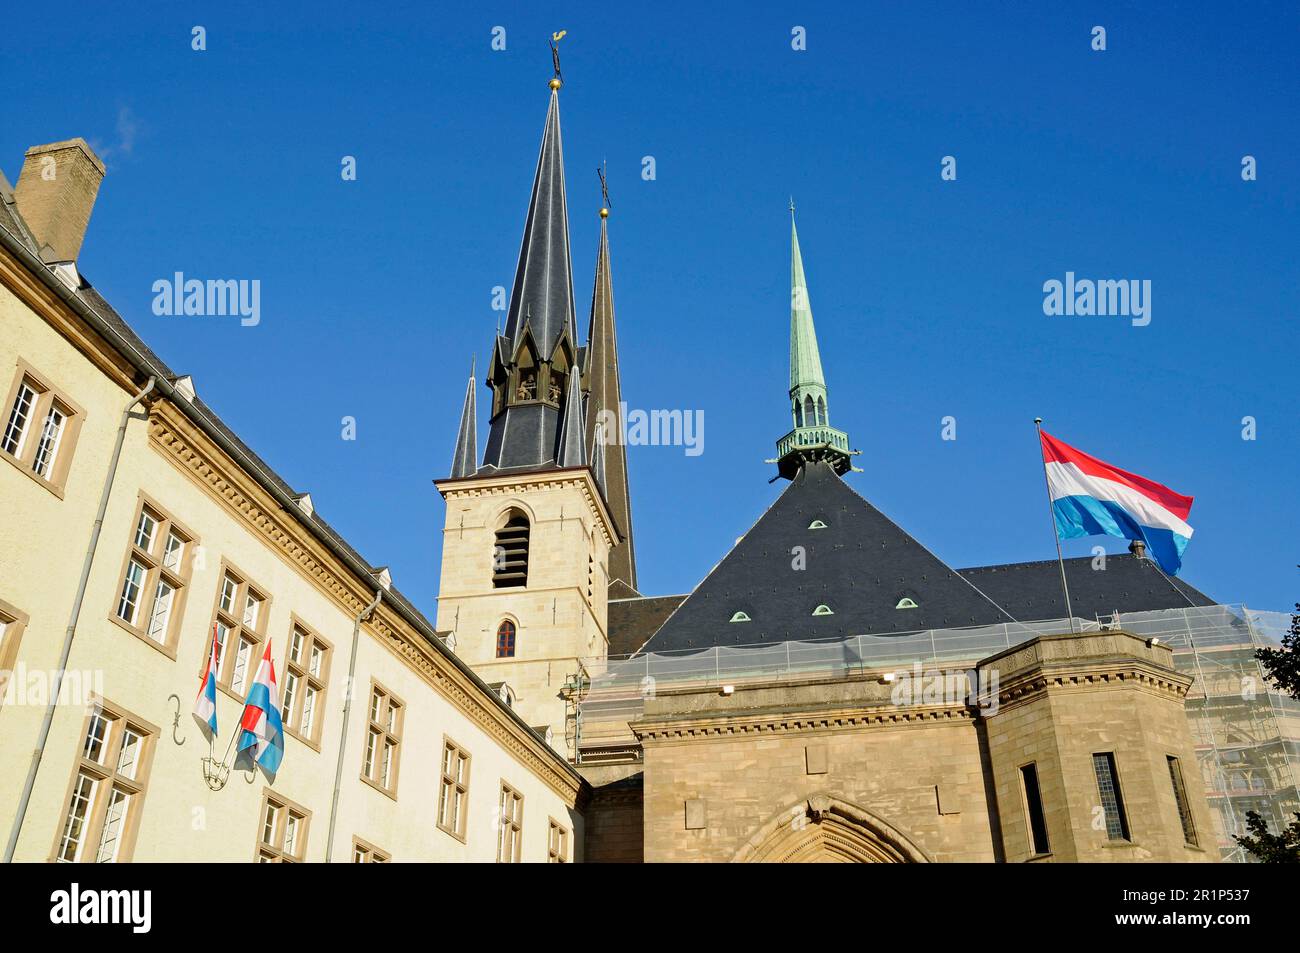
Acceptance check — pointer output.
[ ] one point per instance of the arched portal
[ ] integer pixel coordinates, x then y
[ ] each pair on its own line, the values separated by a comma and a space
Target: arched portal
825, 829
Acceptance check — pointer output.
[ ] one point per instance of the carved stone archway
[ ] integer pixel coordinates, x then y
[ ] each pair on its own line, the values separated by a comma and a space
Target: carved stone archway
825, 829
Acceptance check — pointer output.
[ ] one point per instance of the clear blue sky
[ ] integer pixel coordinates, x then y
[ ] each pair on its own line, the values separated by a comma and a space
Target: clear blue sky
927, 294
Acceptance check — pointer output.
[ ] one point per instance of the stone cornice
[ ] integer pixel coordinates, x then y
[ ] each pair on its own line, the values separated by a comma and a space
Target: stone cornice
666, 728
519, 484
180, 442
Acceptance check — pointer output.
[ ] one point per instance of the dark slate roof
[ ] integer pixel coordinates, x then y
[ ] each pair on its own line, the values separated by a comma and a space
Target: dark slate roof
633, 621
541, 309
860, 566
542, 298
1032, 591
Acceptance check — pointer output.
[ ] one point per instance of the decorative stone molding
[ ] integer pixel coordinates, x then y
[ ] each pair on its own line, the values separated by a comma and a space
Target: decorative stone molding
522, 484
665, 728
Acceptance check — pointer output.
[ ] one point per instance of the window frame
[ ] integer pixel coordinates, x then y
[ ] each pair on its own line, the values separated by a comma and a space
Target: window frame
12, 623
236, 630
381, 727
152, 560
513, 640
302, 671
515, 824
1031, 835
557, 848
275, 853
105, 774
446, 781
373, 854
1181, 801
47, 396
1126, 832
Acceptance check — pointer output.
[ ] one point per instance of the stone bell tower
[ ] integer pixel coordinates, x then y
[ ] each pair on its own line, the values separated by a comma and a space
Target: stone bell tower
528, 534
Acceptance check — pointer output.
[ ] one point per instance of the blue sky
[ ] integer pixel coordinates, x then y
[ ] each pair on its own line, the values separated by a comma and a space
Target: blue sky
927, 294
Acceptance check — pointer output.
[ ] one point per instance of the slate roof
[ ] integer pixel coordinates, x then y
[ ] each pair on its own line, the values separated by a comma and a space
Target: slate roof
860, 566
541, 308
633, 621
1031, 591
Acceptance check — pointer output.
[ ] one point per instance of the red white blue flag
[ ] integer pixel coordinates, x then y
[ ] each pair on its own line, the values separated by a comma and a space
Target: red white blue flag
205, 703
260, 728
1092, 498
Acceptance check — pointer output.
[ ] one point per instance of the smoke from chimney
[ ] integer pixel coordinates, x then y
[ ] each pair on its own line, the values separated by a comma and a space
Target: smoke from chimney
56, 193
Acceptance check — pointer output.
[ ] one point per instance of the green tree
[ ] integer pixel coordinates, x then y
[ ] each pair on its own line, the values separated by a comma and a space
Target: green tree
1282, 668
1268, 848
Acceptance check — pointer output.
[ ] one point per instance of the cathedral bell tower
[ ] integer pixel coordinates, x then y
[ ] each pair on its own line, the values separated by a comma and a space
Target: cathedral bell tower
529, 531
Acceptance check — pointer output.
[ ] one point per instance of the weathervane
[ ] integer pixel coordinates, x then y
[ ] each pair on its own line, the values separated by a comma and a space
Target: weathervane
604, 189
558, 79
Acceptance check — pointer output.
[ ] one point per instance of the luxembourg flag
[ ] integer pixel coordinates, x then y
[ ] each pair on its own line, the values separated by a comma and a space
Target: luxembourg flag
205, 703
1091, 498
260, 728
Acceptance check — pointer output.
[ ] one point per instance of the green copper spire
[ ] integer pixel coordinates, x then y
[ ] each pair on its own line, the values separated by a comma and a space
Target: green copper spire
813, 438
805, 360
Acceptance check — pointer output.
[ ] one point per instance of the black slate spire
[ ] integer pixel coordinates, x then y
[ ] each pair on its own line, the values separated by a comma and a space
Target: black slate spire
536, 352
463, 461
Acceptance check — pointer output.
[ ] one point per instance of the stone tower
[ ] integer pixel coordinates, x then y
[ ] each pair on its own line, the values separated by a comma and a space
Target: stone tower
528, 534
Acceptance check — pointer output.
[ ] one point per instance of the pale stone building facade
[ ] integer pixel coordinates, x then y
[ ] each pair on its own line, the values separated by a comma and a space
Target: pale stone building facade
198, 531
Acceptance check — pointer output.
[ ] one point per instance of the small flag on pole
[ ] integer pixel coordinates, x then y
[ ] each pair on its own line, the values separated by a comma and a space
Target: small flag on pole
1093, 498
205, 703
260, 727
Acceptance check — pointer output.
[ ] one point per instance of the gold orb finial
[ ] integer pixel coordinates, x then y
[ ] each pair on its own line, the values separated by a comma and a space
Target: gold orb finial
555, 83
604, 213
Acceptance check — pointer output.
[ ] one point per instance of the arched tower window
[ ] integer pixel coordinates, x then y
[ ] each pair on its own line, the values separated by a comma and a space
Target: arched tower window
506, 639
809, 412
821, 411
798, 413
510, 556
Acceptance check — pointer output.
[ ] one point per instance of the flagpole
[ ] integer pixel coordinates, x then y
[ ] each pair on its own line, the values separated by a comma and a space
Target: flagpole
1051, 512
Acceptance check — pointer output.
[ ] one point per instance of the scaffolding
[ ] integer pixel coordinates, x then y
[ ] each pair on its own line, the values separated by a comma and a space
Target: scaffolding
1247, 734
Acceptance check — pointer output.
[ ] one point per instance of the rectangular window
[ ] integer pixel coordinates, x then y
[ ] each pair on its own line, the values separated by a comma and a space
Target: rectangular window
108, 786
1034, 808
20, 415
40, 429
557, 844
1112, 798
453, 794
240, 617
282, 830
306, 676
510, 825
48, 448
383, 740
239, 676
366, 853
163, 594
128, 606
154, 577
1180, 798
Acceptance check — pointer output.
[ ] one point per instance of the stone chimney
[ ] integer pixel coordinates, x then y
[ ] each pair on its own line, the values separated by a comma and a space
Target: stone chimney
55, 194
